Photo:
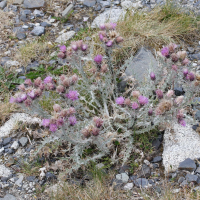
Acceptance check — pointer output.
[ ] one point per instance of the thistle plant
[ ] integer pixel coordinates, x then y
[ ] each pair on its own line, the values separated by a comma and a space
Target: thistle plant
91, 109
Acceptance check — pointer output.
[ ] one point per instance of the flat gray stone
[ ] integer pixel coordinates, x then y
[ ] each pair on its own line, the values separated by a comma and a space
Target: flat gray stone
198, 170
145, 172
191, 178
188, 164
8, 197
157, 159
111, 15
38, 31
67, 10
34, 4
89, 3
18, 2
23, 141
19, 181
123, 177
3, 4
141, 182
195, 56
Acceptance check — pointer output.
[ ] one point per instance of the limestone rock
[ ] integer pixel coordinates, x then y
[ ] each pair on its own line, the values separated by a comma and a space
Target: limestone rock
34, 4
4, 172
65, 36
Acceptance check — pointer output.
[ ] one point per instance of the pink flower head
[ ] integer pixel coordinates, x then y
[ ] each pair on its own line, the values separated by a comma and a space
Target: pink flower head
120, 100
127, 102
28, 82
60, 89
165, 52
135, 94
37, 81
150, 112
27, 102
143, 100
174, 57
182, 54
185, 72
64, 113
48, 79
179, 100
109, 43
45, 122
172, 47
98, 122
135, 105
60, 122
22, 87
74, 46
62, 77
101, 37
98, 59
20, 97
170, 93
79, 43
38, 92
84, 47
53, 128
74, 78
190, 76
119, 39
95, 131
174, 67
12, 100
42, 86
102, 27
63, 48
56, 108
112, 25
185, 61
152, 76
73, 95
66, 82
182, 122
61, 55
180, 114
72, 120
32, 94
104, 68
159, 94
50, 86
71, 111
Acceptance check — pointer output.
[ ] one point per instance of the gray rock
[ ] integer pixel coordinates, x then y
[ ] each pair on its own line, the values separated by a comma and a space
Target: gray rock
21, 35
8, 197
19, 181
23, 18
188, 164
30, 178
7, 141
178, 90
34, 4
18, 2
197, 115
105, 4
50, 176
23, 141
89, 3
197, 188
117, 184
25, 12
157, 159
145, 172
191, 178
156, 143
195, 56
141, 182
38, 31
181, 179
67, 10
4, 60
3, 4
191, 49
45, 24
15, 145
123, 177
198, 170
32, 66
111, 15
65, 36
184, 183
38, 13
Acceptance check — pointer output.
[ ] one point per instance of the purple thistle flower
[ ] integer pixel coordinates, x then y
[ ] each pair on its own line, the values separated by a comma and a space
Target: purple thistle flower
174, 67
101, 37
185, 72
190, 76
72, 120
113, 25
63, 48
143, 100
73, 95
28, 82
98, 122
84, 47
159, 94
32, 94
182, 122
20, 98
135, 105
74, 46
98, 59
48, 79
102, 27
61, 55
150, 112
12, 100
152, 76
120, 100
45, 122
60, 122
53, 128
165, 52
109, 43
27, 102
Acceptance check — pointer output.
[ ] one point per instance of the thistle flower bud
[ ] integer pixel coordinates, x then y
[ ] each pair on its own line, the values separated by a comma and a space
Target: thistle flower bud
112, 25
98, 122
185, 72
56, 108
98, 59
174, 67
179, 100
84, 47
63, 48
120, 100
12, 100
101, 37
64, 113
50, 86
71, 111
103, 33
74, 46
42, 86
135, 105
48, 79
22, 87
150, 112
74, 79
62, 77
32, 94
95, 131
172, 47
127, 102
37, 81
72, 120
109, 43
28, 82
60, 89
105, 39
60, 122
190, 76
102, 27
180, 114
61, 55
79, 43
104, 68
170, 93
159, 94
27, 102
66, 82
21, 97
182, 122
86, 132
143, 100
165, 52
185, 61
136, 94
182, 54
119, 39
158, 111
152, 76
174, 57
38, 92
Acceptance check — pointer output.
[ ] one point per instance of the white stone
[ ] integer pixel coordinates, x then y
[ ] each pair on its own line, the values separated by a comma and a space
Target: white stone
15, 145
174, 191
14, 119
128, 186
4, 172
147, 162
194, 64
19, 181
65, 36
180, 143
7, 53
1, 150
11, 63
25, 27
52, 20
111, 15
123, 176
37, 24
130, 5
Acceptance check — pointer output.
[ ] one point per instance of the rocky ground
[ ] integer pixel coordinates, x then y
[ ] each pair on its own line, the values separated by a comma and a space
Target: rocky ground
24, 21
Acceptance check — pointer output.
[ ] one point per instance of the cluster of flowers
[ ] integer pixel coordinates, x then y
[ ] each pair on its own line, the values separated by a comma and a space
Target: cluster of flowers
75, 46
94, 128
108, 35
165, 103
59, 118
